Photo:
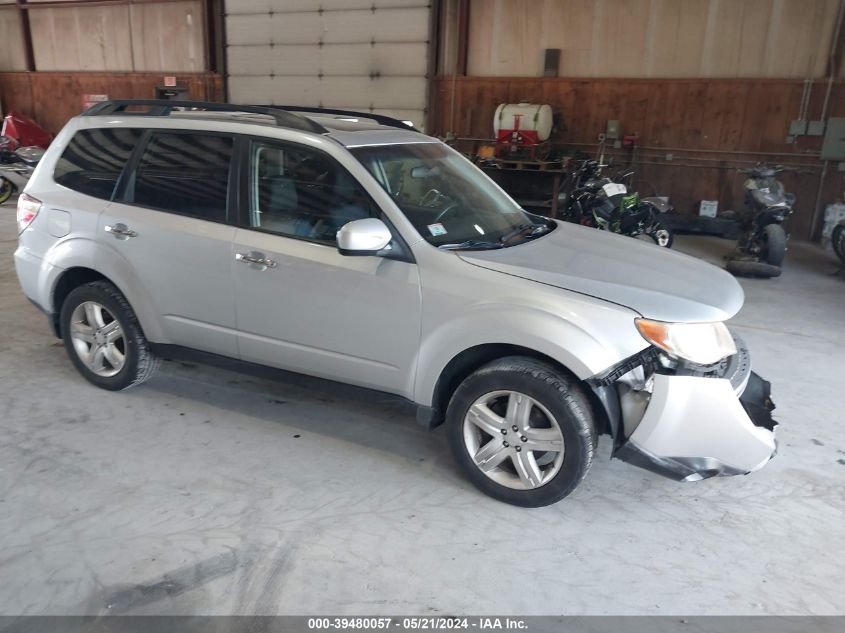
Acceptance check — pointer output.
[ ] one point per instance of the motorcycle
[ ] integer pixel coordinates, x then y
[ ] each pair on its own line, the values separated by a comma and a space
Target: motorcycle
16, 166
605, 203
761, 248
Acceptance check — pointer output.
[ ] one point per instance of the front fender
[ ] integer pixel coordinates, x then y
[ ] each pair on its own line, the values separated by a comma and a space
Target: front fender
586, 342
87, 253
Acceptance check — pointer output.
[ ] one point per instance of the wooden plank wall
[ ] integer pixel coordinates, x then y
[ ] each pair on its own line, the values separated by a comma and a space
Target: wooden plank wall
12, 54
710, 126
51, 98
651, 38
145, 37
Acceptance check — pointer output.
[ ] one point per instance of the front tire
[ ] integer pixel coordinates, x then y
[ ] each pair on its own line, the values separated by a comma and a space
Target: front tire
774, 244
103, 338
522, 431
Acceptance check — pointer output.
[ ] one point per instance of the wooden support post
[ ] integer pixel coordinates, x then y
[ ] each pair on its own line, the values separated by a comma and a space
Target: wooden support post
463, 37
834, 64
555, 194
26, 33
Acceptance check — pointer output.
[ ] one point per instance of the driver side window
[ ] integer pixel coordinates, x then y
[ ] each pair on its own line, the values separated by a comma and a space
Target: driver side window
299, 192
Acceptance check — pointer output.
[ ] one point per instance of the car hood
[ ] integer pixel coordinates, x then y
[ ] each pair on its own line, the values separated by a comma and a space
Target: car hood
658, 283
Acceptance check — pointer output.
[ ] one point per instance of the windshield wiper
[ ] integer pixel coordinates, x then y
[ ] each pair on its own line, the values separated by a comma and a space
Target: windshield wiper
528, 229
471, 245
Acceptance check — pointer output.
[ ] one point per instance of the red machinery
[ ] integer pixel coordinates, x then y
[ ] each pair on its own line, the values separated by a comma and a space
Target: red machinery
523, 130
24, 132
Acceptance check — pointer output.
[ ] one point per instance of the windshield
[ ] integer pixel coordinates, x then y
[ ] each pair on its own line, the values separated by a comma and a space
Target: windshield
447, 199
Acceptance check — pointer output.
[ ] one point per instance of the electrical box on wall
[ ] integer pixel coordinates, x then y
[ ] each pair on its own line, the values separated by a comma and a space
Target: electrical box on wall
612, 129
797, 127
833, 147
815, 128
551, 62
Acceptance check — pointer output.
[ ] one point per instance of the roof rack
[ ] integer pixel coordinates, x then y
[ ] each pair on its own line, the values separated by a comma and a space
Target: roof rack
378, 118
284, 117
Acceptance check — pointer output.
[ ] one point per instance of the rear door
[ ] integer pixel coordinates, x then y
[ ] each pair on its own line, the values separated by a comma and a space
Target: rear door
170, 223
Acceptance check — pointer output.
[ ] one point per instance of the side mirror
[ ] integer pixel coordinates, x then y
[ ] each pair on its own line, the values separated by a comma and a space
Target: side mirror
363, 237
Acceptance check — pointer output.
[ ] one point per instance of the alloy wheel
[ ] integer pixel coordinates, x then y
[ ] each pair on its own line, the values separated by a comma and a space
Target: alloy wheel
656, 234
98, 339
513, 439
661, 237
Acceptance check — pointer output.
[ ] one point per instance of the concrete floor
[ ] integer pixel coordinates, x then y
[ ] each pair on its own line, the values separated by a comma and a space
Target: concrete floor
209, 492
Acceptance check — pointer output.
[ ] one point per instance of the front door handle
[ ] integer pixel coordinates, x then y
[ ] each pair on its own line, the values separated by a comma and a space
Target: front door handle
120, 231
256, 260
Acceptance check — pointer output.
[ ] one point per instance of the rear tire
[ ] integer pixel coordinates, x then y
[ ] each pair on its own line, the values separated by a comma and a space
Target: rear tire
748, 268
774, 244
522, 431
837, 239
103, 338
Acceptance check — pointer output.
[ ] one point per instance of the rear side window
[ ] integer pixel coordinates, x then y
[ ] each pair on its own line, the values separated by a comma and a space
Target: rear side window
185, 173
94, 159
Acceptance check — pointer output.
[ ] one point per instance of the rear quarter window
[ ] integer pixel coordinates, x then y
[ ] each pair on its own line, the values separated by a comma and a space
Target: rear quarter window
185, 173
94, 159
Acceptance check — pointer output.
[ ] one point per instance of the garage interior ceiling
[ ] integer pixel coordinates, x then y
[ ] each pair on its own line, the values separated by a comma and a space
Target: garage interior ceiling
367, 55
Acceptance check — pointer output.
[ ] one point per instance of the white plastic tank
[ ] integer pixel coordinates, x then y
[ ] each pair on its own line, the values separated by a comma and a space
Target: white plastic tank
536, 117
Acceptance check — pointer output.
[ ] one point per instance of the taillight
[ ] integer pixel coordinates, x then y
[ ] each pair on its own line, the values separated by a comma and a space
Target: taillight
28, 208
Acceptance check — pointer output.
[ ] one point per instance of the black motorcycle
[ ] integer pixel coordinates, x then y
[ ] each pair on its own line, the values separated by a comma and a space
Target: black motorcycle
605, 203
762, 246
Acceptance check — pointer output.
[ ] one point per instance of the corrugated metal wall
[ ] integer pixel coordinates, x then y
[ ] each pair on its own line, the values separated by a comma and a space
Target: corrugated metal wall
368, 55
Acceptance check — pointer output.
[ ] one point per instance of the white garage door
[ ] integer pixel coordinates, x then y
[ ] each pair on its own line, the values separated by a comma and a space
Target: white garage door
365, 55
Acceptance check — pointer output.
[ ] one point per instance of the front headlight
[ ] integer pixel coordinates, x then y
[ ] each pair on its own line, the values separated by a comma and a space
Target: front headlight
702, 343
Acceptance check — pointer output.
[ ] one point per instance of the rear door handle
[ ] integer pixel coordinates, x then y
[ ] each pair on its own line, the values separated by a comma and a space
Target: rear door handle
256, 260
120, 231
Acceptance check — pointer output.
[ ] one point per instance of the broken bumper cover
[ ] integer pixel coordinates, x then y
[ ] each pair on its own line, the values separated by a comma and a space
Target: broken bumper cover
696, 427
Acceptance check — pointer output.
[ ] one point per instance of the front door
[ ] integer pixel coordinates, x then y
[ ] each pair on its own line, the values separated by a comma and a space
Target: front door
300, 304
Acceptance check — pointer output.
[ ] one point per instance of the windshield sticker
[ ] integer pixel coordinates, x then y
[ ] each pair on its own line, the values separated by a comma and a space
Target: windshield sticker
436, 229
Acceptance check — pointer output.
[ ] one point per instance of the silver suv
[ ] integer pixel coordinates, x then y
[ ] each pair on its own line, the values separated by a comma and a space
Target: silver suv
351, 247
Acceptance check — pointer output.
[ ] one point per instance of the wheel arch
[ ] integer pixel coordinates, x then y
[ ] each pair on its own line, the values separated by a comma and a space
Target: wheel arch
65, 284
470, 360
75, 276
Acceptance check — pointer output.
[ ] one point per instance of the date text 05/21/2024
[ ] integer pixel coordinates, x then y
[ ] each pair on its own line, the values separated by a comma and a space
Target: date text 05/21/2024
480, 624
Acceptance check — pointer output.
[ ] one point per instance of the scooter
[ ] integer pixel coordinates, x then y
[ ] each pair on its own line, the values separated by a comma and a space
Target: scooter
16, 166
762, 246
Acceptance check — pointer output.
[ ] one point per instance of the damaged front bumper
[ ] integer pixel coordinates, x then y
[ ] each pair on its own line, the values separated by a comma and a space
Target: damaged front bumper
692, 425
696, 427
